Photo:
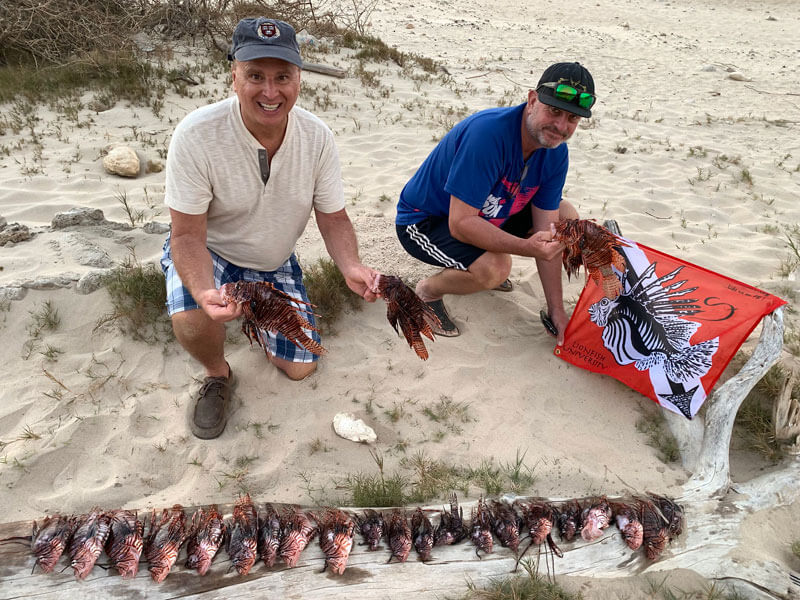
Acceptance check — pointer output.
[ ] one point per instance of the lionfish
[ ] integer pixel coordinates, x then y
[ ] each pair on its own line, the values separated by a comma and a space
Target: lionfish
629, 522
269, 535
592, 246
506, 525
596, 518
87, 541
399, 535
481, 534
266, 308
661, 519
371, 526
125, 542
451, 529
422, 534
298, 531
49, 540
539, 519
165, 537
336, 530
405, 308
207, 532
243, 535
568, 519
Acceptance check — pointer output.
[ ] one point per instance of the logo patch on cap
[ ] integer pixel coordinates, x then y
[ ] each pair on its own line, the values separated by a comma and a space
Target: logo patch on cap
576, 84
268, 30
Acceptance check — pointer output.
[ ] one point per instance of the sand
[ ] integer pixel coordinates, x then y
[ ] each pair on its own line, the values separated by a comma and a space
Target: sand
693, 149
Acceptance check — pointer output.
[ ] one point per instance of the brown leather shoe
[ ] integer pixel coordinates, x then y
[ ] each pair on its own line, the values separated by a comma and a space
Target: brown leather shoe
211, 407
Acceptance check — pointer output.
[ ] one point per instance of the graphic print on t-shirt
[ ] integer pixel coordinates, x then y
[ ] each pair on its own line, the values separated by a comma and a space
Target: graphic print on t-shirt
504, 200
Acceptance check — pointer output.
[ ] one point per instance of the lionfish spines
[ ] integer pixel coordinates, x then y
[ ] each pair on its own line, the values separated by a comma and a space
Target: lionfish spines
207, 532
266, 308
568, 519
451, 528
125, 542
269, 535
336, 529
406, 309
594, 247
628, 520
243, 535
371, 526
398, 534
298, 530
422, 534
481, 528
87, 541
506, 525
50, 539
165, 536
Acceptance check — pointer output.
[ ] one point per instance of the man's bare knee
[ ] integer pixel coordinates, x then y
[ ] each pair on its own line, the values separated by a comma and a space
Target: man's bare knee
491, 269
294, 370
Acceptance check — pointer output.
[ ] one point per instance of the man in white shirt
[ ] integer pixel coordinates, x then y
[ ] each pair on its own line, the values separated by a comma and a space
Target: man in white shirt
243, 176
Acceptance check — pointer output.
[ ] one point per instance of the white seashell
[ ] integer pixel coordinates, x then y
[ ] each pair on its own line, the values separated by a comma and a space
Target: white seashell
347, 426
736, 76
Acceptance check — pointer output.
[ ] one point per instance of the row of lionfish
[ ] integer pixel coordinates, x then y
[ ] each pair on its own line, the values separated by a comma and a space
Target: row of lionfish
266, 534
266, 308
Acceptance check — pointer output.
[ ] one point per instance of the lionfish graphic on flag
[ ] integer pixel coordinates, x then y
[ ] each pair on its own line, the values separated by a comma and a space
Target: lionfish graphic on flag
671, 331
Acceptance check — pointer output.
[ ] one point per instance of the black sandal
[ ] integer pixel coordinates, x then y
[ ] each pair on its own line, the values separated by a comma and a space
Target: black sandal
448, 328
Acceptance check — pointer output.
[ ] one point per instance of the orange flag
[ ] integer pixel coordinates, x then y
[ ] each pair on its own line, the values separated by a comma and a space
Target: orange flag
670, 333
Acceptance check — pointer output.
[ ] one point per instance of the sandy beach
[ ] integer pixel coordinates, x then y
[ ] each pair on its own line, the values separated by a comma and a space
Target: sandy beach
693, 149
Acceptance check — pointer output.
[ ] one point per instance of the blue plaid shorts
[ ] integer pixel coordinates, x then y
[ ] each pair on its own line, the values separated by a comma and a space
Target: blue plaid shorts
287, 278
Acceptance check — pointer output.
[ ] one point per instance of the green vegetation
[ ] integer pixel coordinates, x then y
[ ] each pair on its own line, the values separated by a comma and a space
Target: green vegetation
138, 296
328, 292
754, 421
530, 586
423, 479
659, 437
796, 549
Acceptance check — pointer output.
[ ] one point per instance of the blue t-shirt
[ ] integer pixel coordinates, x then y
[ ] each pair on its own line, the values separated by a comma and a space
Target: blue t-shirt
480, 162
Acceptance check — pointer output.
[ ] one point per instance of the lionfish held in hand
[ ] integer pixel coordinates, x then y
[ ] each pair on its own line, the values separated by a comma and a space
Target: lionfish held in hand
298, 531
87, 542
592, 246
405, 308
125, 542
336, 530
49, 540
243, 535
207, 532
266, 308
269, 535
165, 537
371, 526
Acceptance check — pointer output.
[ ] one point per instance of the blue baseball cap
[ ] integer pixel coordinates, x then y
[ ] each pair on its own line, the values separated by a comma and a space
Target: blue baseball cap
265, 38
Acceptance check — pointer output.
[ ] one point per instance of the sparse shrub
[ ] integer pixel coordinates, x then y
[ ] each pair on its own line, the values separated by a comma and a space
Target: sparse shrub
659, 437
796, 549
138, 296
530, 586
754, 423
328, 292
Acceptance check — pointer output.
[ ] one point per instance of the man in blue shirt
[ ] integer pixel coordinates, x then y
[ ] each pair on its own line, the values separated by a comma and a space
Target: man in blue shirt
492, 189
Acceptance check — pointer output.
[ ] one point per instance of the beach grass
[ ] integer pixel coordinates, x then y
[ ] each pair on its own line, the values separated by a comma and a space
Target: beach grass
138, 297
328, 292
529, 586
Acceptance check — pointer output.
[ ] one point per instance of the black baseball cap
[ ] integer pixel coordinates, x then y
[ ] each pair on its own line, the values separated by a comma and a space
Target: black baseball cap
265, 38
570, 73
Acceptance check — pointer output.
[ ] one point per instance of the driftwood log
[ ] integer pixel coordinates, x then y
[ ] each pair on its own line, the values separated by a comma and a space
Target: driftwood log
714, 509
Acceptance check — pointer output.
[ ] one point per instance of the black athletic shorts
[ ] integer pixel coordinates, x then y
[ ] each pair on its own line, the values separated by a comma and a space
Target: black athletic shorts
430, 240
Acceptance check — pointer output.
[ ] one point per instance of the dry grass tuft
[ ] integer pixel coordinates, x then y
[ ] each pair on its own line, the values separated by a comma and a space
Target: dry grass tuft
328, 291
